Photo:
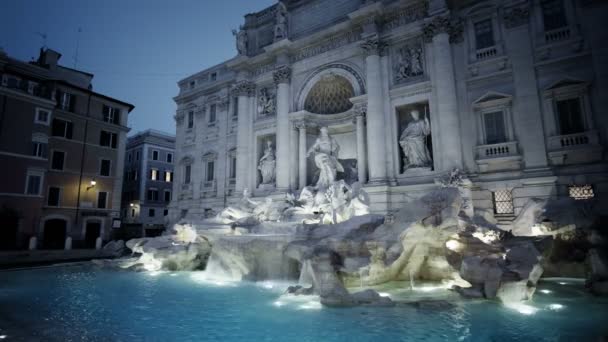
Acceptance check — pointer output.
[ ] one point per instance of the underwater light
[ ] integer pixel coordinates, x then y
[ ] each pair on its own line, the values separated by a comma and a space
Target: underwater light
545, 291
2, 337
562, 283
384, 294
555, 307
523, 309
278, 303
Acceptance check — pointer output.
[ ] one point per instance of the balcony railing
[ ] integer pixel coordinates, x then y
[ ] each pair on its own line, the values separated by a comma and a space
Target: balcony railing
557, 35
26, 86
506, 149
485, 53
563, 142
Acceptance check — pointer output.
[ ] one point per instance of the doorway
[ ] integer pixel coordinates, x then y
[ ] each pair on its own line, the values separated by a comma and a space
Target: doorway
92, 232
54, 234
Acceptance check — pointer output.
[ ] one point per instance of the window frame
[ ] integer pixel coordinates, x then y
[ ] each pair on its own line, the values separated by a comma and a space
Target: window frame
113, 139
48, 196
165, 192
37, 115
105, 204
169, 158
68, 129
109, 167
495, 202
52, 167
157, 153
34, 173
154, 174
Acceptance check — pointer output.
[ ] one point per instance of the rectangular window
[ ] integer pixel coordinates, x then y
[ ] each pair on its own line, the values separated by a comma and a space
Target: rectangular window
484, 37
168, 176
495, 128
65, 101
34, 182
43, 116
554, 14
165, 212
129, 157
111, 114
151, 212
152, 195
58, 160
132, 212
187, 174
102, 198
62, 128
235, 107
214, 76
503, 202
153, 174
169, 157
54, 195
104, 169
154, 155
190, 119
167, 196
233, 167
570, 117
212, 111
581, 192
210, 171
137, 155
108, 139
39, 149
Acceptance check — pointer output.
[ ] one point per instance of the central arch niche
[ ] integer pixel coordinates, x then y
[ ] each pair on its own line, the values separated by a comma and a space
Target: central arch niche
330, 95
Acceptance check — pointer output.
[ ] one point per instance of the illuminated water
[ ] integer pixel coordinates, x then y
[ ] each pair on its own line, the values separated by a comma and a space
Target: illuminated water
79, 303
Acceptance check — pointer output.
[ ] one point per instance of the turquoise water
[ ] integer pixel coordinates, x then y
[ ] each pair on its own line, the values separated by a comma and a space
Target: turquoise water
77, 303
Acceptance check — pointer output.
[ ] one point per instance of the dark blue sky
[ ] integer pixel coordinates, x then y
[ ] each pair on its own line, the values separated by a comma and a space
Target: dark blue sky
137, 49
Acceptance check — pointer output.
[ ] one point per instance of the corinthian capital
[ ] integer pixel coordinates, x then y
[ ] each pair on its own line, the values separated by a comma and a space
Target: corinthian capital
360, 109
282, 74
373, 46
443, 24
243, 88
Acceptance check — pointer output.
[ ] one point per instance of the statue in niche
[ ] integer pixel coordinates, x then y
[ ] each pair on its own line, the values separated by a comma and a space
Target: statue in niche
267, 164
280, 28
266, 103
409, 63
241, 41
325, 151
413, 142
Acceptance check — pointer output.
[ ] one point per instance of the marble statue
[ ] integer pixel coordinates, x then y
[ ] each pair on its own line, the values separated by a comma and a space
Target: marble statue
413, 142
267, 164
241, 41
242, 210
280, 28
266, 103
325, 151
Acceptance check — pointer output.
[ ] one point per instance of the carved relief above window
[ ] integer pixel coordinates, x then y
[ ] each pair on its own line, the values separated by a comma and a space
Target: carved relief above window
408, 62
330, 95
266, 102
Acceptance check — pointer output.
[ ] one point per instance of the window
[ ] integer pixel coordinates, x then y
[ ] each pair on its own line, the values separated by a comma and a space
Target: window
111, 114
167, 196
212, 110
151, 212
102, 198
58, 160
132, 212
581, 192
214, 76
503, 202
135, 174
152, 195
169, 157
129, 157
65, 101
187, 174
154, 155
554, 14
137, 155
190, 119
53, 197
165, 212
104, 169
39, 149
153, 174
62, 128
168, 176
108, 139
210, 171
569, 116
484, 37
494, 124
192, 84
43, 116
33, 183
232, 167
235, 107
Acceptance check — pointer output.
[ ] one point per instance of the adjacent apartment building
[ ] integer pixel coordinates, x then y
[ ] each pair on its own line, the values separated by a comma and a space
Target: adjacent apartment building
148, 182
62, 145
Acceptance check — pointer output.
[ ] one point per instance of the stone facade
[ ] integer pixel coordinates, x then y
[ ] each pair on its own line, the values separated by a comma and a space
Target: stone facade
510, 91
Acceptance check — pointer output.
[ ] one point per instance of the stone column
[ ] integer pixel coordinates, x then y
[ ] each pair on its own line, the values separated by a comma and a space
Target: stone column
243, 89
375, 113
441, 31
293, 160
361, 149
301, 126
282, 77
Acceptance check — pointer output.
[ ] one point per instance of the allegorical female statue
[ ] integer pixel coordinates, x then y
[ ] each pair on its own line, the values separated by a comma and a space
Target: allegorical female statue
280, 28
267, 164
241, 41
413, 142
325, 150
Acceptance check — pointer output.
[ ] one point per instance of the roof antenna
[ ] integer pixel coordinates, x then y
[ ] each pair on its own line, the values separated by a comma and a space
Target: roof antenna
77, 47
43, 36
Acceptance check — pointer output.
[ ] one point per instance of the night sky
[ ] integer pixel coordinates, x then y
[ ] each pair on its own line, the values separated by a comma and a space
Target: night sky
137, 49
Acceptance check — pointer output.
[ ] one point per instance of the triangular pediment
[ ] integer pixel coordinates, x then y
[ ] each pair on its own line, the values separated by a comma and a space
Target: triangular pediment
491, 96
566, 82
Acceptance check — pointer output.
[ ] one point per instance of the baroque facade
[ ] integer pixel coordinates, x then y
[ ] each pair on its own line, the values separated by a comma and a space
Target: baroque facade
508, 92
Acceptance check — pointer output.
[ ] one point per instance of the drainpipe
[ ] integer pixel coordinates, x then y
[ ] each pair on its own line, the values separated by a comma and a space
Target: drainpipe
84, 145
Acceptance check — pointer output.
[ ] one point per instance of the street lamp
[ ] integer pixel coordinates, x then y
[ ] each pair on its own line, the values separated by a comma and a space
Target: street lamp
92, 184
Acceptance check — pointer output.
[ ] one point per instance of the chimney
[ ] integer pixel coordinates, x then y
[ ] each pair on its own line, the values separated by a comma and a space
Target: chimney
48, 57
